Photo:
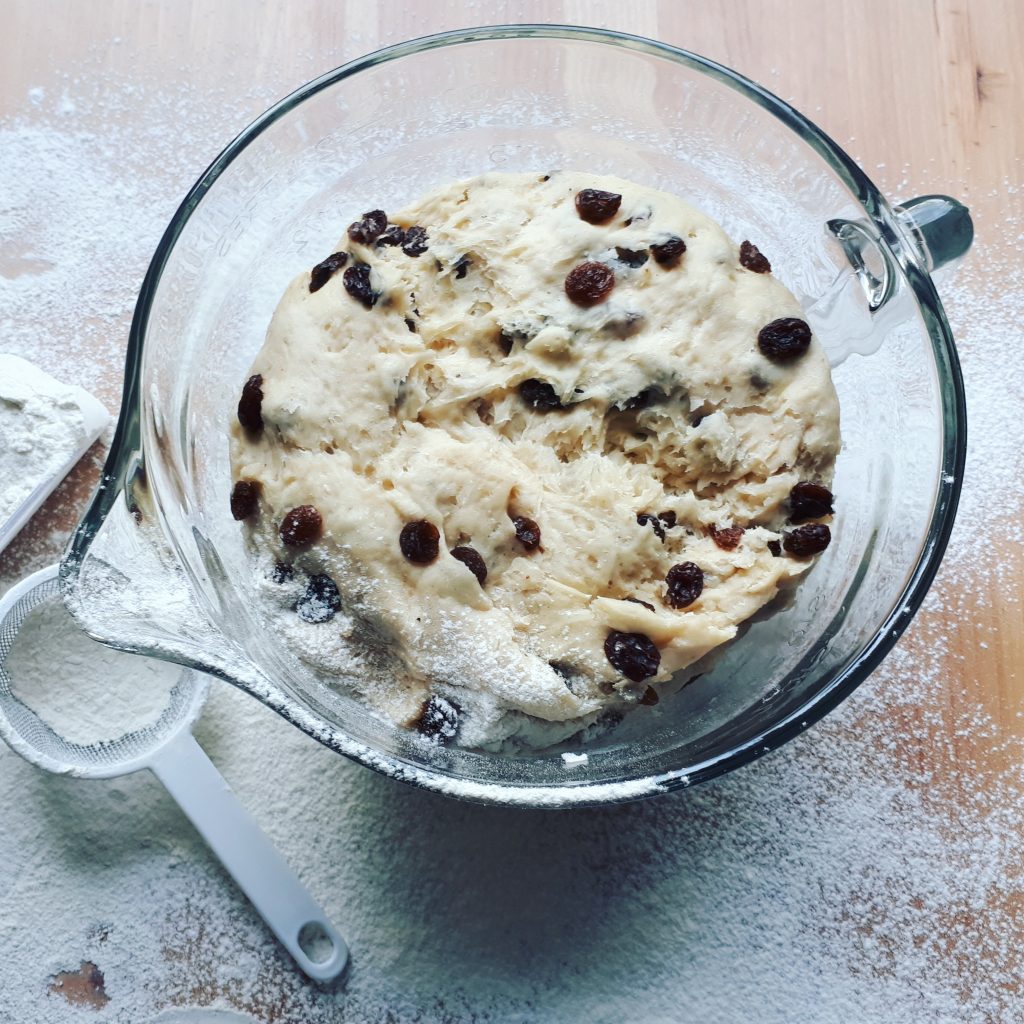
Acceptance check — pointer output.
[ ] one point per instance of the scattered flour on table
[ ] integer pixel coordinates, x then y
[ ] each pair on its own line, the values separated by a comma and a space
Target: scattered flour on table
869, 871
85, 692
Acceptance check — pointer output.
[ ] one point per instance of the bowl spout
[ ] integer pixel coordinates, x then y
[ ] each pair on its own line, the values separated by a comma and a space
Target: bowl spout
124, 586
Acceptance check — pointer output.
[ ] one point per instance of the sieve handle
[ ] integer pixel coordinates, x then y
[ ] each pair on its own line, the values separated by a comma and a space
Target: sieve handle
260, 871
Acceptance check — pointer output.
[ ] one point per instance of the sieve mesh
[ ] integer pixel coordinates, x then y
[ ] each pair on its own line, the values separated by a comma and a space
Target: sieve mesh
37, 742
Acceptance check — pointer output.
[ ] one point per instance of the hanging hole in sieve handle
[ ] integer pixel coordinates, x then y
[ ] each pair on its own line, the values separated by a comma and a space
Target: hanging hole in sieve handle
315, 941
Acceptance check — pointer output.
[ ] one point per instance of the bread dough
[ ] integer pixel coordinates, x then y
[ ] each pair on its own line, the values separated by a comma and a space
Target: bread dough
415, 409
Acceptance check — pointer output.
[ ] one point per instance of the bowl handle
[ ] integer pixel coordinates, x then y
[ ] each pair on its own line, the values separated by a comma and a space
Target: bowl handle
939, 227
937, 230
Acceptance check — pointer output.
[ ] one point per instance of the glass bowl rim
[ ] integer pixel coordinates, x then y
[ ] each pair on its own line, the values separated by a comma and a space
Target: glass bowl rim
126, 441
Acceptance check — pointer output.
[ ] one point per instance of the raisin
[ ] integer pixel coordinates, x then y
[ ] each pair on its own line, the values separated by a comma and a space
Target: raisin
420, 541
805, 541
775, 548
809, 501
668, 518
649, 697
753, 259
669, 253
727, 537
438, 719
462, 265
415, 243
323, 272
562, 669
632, 654
282, 573
357, 284
527, 532
683, 584
473, 561
645, 518
301, 527
393, 235
250, 405
244, 499
539, 394
369, 227
785, 339
321, 601
644, 400
636, 600
631, 257
411, 324
596, 206
589, 283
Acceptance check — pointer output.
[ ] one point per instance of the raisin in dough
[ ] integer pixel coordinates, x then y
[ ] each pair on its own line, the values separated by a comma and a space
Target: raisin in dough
415, 409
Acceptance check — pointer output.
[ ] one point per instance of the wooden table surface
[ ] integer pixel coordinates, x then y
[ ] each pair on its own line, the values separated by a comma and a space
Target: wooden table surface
923, 93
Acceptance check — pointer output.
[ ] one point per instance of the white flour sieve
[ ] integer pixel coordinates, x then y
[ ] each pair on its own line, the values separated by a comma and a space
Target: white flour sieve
168, 749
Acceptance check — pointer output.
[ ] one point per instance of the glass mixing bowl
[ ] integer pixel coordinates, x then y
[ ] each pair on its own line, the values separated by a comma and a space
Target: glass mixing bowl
157, 565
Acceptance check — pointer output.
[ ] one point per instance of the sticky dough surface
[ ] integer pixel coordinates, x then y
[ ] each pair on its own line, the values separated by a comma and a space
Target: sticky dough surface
378, 425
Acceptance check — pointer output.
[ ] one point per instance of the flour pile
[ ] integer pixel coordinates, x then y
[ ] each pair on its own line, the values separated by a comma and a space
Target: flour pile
44, 427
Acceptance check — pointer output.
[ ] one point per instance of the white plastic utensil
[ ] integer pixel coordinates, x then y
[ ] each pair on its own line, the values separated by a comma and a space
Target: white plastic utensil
168, 749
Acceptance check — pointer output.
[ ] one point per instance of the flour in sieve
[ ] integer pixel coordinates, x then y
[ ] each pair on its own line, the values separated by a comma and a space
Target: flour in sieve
85, 692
